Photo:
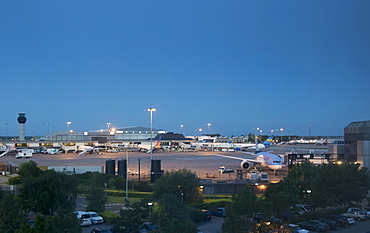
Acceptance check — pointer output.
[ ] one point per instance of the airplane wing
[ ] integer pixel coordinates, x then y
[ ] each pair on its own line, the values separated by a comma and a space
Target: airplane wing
231, 157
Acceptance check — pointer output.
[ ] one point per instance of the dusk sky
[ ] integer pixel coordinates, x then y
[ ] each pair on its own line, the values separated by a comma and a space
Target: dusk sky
235, 64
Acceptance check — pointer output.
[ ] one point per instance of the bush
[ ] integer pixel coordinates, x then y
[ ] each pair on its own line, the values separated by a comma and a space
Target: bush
142, 186
14, 180
211, 205
119, 193
195, 214
110, 217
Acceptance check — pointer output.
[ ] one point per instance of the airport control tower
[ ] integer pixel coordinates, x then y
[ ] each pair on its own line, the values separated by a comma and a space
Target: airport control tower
21, 120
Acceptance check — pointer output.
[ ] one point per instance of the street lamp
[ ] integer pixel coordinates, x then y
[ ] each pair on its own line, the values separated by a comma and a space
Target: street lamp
209, 126
181, 126
151, 110
309, 130
200, 130
68, 123
150, 211
6, 131
108, 125
281, 134
126, 199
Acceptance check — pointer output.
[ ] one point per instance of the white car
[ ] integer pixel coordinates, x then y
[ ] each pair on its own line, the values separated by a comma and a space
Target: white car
84, 218
350, 220
95, 218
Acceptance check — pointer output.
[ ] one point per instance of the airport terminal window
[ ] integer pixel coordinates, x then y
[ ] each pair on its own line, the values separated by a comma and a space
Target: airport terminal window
46, 144
22, 145
68, 143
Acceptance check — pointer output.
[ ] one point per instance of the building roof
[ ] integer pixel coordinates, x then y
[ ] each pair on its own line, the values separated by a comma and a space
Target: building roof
358, 127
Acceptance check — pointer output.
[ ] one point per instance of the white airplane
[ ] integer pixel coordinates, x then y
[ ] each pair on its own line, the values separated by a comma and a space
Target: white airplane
265, 144
87, 149
263, 159
149, 148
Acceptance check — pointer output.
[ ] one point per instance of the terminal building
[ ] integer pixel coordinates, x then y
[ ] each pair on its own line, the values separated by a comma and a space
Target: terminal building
127, 134
357, 142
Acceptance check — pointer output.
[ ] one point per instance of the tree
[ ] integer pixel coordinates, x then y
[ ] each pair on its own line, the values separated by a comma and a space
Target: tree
47, 192
131, 219
241, 212
64, 221
183, 184
96, 197
251, 137
173, 216
29, 169
11, 214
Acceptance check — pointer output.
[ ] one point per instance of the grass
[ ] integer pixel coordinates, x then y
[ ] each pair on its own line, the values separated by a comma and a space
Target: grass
121, 200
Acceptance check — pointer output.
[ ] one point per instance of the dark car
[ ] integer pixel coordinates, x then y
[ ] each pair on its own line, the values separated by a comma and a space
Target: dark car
219, 212
342, 220
333, 225
314, 225
101, 230
207, 215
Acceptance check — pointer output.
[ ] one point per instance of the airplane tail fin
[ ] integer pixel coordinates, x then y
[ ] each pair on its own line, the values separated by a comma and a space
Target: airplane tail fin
268, 141
158, 144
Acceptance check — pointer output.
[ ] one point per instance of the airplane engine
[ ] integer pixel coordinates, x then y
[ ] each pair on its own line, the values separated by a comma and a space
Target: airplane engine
245, 164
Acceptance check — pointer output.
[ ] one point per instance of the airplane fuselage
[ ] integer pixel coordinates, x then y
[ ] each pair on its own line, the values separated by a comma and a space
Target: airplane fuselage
269, 160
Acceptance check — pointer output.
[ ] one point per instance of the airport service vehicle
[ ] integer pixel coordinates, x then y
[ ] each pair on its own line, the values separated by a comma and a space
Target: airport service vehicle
52, 151
223, 169
95, 218
25, 153
219, 212
84, 218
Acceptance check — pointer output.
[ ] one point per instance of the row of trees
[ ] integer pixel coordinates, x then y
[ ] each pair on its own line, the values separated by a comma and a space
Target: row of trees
43, 193
53, 195
320, 186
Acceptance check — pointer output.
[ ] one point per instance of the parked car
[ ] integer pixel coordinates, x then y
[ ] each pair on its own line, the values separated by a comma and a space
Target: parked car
292, 228
84, 218
302, 209
357, 215
95, 218
207, 215
314, 225
351, 220
101, 230
360, 210
219, 212
333, 225
342, 220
